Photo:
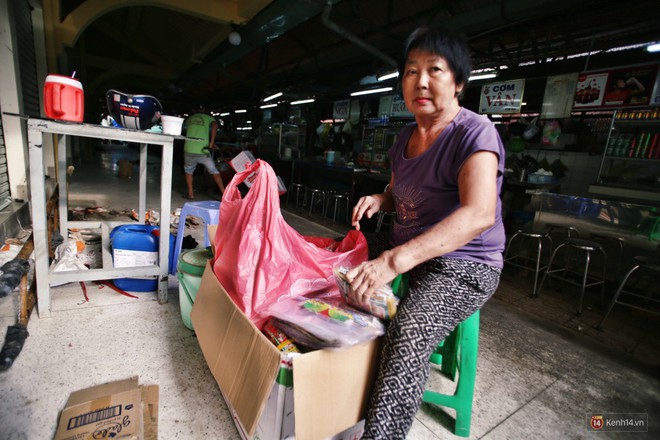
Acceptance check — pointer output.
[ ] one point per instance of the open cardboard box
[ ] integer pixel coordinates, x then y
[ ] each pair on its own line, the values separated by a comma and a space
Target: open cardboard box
330, 388
118, 410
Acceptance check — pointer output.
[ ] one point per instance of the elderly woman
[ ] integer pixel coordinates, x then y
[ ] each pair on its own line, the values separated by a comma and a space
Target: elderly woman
448, 236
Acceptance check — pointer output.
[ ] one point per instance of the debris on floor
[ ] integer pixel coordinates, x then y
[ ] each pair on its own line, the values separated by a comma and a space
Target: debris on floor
14, 341
90, 413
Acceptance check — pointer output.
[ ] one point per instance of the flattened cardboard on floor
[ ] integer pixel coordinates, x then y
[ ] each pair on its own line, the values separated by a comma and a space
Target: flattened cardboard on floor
331, 387
121, 409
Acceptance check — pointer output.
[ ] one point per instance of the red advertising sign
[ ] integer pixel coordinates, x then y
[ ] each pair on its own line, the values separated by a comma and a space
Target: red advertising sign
624, 87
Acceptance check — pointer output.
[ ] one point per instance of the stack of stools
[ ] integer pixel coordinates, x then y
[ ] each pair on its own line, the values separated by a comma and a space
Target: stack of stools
207, 210
456, 354
584, 248
517, 253
297, 189
646, 301
337, 201
316, 196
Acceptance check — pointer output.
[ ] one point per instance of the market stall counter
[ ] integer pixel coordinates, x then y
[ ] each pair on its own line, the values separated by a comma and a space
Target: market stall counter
626, 230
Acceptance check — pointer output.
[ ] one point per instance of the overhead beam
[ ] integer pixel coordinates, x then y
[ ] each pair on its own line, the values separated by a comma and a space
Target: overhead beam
65, 33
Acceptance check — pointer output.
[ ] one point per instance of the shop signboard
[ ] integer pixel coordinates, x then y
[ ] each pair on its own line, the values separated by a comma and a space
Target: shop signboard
502, 97
558, 96
632, 86
398, 108
340, 109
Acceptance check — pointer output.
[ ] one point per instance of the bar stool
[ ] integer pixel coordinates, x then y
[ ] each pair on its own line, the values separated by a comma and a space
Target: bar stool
521, 258
382, 215
648, 264
316, 195
337, 199
207, 210
296, 188
618, 241
579, 245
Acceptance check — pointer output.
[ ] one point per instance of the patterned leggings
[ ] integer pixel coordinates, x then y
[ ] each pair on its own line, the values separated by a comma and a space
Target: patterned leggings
442, 293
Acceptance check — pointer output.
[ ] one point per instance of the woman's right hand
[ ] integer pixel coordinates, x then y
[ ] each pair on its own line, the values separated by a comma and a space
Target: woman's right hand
367, 205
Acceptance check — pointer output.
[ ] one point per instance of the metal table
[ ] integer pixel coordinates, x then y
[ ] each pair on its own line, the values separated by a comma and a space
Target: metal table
44, 276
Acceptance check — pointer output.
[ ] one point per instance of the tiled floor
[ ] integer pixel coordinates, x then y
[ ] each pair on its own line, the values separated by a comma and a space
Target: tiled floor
541, 369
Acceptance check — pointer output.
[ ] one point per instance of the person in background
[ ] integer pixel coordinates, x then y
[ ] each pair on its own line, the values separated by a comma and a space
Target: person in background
195, 152
448, 236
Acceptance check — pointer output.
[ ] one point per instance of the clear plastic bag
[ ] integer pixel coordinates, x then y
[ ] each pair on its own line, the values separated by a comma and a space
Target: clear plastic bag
382, 303
318, 323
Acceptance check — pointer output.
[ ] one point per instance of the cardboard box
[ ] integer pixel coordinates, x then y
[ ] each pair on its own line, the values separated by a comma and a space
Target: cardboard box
116, 410
330, 388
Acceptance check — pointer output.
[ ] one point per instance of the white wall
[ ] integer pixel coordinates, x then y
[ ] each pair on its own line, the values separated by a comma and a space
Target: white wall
11, 102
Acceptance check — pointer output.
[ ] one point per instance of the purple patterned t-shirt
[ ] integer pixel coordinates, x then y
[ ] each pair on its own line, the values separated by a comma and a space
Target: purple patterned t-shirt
426, 187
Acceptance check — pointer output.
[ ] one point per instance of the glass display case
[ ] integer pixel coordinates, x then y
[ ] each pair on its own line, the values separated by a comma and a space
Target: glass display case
376, 140
630, 166
283, 140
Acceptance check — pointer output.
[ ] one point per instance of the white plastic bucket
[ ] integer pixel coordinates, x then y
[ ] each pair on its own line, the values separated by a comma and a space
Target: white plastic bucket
171, 124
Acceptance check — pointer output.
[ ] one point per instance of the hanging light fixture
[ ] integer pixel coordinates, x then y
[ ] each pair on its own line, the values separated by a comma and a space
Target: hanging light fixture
276, 95
234, 38
369, 91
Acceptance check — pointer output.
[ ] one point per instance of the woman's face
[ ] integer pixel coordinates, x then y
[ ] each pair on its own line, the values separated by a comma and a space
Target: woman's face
428, 84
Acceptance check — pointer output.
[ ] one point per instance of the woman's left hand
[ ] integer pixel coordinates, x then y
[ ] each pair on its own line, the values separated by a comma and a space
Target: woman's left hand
370, 275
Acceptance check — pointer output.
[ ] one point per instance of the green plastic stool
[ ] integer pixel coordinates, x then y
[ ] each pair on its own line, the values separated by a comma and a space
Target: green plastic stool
456, 354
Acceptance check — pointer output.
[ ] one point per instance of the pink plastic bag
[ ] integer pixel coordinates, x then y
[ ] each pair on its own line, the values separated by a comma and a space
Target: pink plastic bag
260, 258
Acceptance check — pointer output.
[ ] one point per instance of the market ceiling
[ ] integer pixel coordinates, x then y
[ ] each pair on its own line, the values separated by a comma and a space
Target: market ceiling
179, 50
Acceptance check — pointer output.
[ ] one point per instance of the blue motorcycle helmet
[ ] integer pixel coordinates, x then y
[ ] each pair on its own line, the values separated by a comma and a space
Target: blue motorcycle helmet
137, 112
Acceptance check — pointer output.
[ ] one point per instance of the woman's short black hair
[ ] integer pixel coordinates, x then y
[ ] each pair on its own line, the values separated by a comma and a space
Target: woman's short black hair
451, 45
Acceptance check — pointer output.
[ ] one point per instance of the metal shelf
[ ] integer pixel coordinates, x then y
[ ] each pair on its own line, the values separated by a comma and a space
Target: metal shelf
44, 277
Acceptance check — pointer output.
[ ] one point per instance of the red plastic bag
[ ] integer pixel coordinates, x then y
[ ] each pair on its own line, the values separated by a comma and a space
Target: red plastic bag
260, 258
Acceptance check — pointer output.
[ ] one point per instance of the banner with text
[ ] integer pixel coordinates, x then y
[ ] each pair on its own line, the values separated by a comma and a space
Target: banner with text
399, 109
502, 97
340, 109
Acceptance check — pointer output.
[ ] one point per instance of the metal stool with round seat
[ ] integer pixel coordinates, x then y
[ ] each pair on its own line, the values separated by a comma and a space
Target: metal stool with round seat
296, 188
616, 241
585, 248
337, 200
316, 196
643, 299
382, 215
522, 258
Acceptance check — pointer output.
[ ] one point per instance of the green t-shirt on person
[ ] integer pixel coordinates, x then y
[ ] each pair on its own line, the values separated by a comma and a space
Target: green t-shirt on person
198, 126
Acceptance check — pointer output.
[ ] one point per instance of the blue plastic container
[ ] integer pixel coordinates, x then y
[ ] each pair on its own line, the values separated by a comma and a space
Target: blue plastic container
135, 245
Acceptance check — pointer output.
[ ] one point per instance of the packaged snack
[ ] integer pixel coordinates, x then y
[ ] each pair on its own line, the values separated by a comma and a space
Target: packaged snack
279, 338
382, 303
317, 323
